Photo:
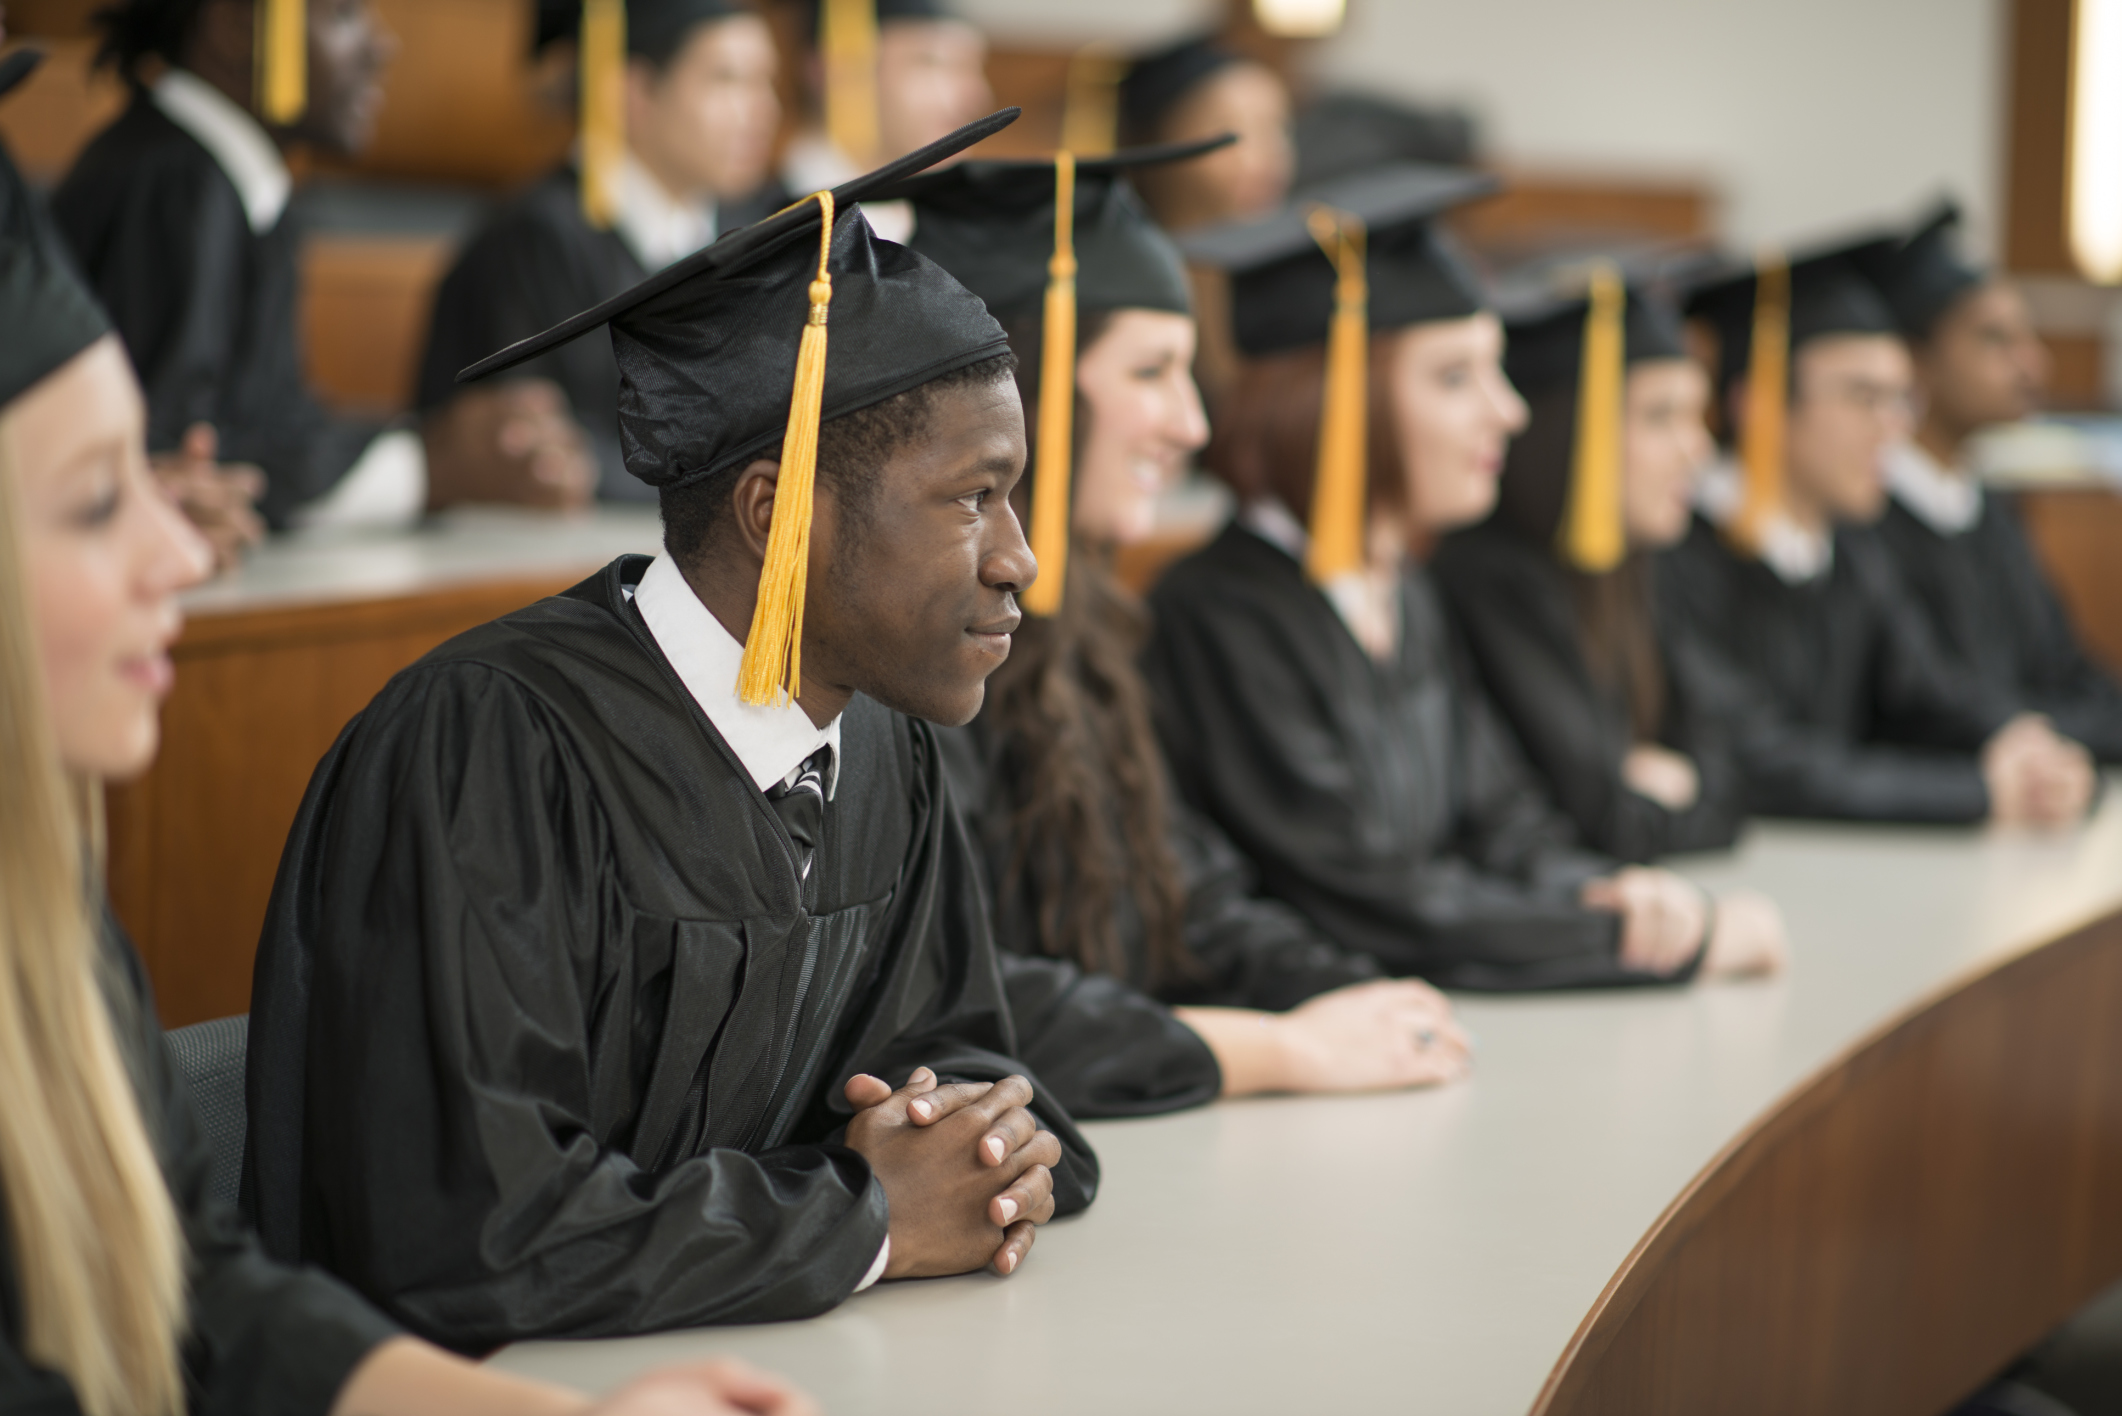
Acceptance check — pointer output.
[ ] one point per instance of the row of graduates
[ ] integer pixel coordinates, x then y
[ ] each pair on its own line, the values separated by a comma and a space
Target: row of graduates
769, 908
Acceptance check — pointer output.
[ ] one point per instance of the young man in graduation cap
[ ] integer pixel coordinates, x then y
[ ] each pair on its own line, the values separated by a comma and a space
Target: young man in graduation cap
889, 76
692, 89
606, 932
1792, 615
1962, 552
179, 215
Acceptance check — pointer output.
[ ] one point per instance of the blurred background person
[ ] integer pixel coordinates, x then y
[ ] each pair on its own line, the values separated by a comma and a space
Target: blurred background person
1978, 364
701, 116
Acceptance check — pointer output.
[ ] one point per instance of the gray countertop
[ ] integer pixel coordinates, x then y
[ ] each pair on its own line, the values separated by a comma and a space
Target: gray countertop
454, 548
1427, 1251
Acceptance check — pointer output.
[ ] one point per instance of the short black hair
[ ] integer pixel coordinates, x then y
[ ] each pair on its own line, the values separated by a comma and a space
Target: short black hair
851, 448
138, 30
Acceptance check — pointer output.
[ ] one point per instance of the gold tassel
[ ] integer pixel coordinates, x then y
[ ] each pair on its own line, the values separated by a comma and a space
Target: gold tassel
1767, 402
1593, 537
1341, 477
603, 84
1057, 403
282, 46
1090, 113
848, 41
773, 650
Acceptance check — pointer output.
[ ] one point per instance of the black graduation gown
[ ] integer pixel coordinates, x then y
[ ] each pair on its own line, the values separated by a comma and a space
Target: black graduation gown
548, 1038
1382, 801
1839, 703
536, 263
263, 1337
1252, 952
206, 308
1988, 602
1512, 604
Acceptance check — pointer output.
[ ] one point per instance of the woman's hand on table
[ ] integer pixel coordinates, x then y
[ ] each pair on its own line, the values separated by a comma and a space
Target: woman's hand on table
718, 1388
1377, 1036
1664, 918
1747, 937
218, 498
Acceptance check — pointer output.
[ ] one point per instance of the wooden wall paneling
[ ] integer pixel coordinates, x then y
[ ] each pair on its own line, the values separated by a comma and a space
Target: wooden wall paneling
1899, 1227
1539, 212
260, 696
2077, 533
2037, 136
366, 302
2077, 372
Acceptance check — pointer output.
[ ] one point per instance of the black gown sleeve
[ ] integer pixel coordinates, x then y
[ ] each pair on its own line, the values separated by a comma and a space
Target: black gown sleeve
1520, 631
1795, 765
476, 1202
1254, 744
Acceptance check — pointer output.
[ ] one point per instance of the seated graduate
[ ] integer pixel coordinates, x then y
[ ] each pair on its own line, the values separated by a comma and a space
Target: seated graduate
885, 77
1961, 552
1196, 89
1090, 856
698, 114
1787, 609
1308, 689
1552, 594
599, 927
126, 1287
179, 215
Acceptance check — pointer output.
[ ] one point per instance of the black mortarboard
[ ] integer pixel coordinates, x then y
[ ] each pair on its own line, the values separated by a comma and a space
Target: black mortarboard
1546, 347
1922, 276
1282, 284
722, 357
48, 317
654, 28
991, 225
1058, 236
1828, 294
1155, 83
1353, 132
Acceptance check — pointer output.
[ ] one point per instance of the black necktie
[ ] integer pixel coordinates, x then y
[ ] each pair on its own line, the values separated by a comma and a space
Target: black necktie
799, 800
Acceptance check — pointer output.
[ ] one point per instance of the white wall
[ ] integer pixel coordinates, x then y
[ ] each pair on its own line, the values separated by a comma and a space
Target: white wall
1805, 115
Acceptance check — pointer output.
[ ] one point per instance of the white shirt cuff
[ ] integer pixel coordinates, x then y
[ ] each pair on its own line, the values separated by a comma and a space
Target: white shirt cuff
386, 487
876, 1268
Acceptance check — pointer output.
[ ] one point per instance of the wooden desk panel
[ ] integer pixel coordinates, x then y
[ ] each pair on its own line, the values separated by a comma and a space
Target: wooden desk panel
259, 698
1892, 1234
2078, 535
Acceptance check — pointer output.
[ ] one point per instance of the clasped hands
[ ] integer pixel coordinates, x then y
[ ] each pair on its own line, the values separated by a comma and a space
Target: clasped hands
966, 1170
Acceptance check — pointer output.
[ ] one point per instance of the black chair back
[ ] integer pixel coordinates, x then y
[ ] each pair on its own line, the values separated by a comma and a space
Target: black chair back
211, 1056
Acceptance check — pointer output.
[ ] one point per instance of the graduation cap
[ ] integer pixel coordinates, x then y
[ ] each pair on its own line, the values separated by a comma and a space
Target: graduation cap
723, 355
1762, 315
1585, 345
1063, 235
1156, 83
1924, 275
48, 316
1344, 258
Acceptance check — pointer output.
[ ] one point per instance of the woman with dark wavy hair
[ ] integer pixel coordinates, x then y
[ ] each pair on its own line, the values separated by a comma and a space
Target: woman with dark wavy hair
1312, 697
1093, 858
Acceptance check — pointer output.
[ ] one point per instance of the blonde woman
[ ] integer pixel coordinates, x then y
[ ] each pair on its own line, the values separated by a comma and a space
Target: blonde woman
124, 1290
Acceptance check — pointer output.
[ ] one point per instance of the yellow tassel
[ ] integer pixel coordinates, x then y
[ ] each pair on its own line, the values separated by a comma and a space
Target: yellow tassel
1057, 403
1593, 537
282, 46
1341, 478
773, 650
603, 84
1767, 402
848, 41
1090, 113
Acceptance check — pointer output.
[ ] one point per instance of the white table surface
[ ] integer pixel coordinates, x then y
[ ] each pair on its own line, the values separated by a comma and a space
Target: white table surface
1428, 1251
454, 548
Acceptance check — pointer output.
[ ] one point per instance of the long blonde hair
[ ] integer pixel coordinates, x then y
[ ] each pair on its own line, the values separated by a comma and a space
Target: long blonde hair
99, 1257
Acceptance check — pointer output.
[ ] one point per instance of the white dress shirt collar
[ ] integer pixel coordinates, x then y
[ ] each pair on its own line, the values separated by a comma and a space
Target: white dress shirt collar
1796, 556
771, 742
658, 228
1946, 499
238, 145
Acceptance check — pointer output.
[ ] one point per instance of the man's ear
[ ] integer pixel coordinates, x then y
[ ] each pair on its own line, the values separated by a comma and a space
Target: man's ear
751, 518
